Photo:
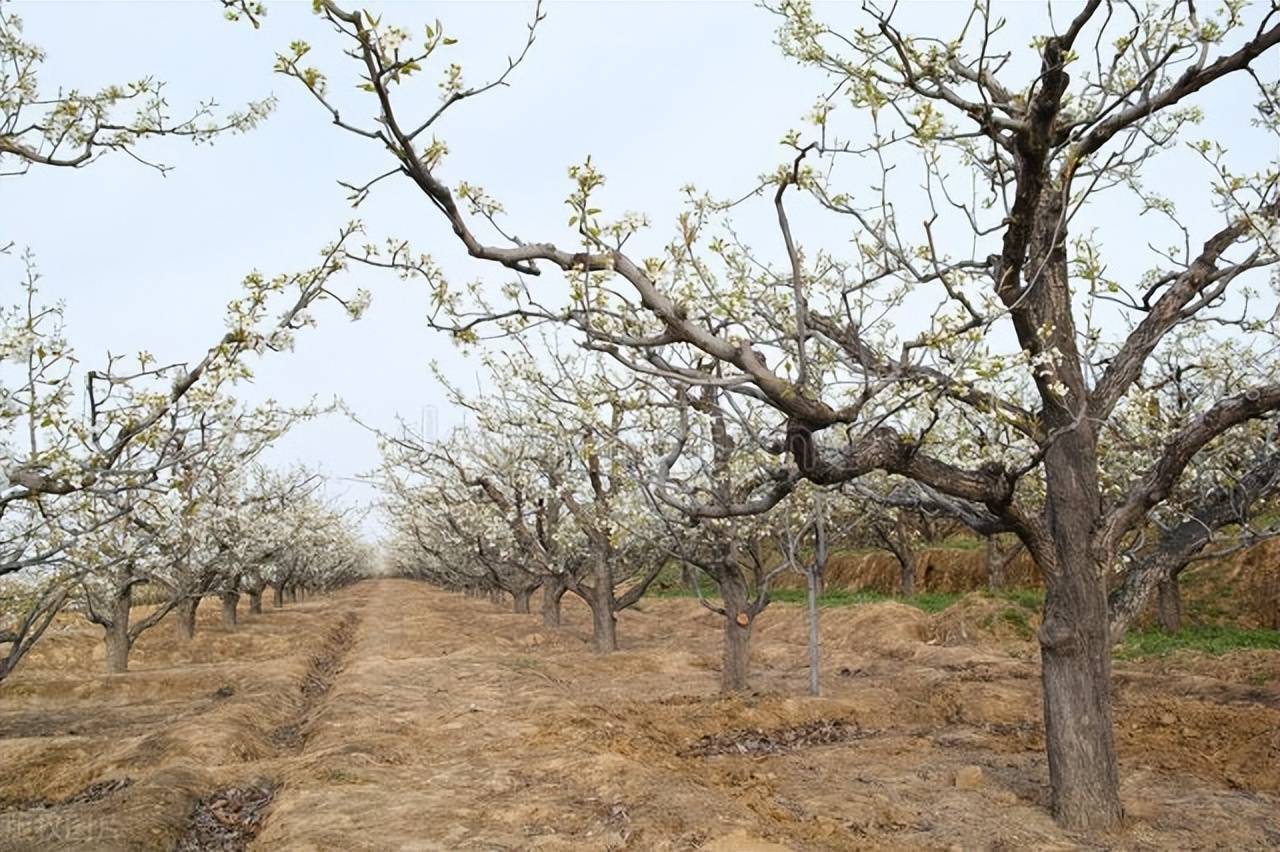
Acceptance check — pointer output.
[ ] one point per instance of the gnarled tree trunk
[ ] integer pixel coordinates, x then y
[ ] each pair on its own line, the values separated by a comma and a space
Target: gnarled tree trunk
995, 565
896, 538
552, 593
604, 621
277, 595
604, 629
1075, 645
689, 576
255, 601
907, 572
520, 600
815, 647
736, 666
185, 617
1169, 604
230, 600
116, 633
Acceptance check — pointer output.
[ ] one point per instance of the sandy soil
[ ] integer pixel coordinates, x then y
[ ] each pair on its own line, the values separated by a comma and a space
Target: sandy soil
394, 716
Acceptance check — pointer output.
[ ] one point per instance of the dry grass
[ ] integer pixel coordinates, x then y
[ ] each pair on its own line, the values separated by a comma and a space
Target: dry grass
446, 723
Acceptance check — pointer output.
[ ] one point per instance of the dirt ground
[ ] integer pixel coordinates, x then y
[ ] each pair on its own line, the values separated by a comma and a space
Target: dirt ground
394, 716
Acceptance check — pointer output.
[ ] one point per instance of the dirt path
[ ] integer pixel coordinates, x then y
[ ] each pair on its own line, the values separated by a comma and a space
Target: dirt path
393, 716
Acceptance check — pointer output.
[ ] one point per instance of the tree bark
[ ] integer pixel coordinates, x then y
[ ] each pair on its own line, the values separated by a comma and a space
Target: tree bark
688, 576
736, 665
520, 600
1076, 673
230, 600
1169, 604
116, 633
604, 629
255, 602
1075, 645
907, 572
604, 621
995, 565
185, 618
552, 592
277, 595
815, 649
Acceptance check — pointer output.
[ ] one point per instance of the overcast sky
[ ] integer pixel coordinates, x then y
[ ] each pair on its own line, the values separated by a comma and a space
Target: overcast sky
661, 94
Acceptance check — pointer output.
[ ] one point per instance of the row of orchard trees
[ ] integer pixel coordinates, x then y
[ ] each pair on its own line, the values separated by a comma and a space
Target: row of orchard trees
578, 479
140, 478
1018, 326
1023, 323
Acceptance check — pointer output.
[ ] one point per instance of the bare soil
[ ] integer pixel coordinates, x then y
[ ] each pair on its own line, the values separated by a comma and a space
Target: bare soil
394, 716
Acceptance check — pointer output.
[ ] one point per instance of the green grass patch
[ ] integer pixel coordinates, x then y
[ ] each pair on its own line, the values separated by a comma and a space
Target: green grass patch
927, 601
931, 601
1018, 617
677, 589
832, 597
1208, 639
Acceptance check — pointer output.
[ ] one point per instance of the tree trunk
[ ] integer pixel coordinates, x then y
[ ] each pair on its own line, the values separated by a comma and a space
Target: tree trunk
604, 621
737, 632
689, 576
277, 595
116, 634
520, 600
815, 651
1075, 645
552, 592
1169, 604
604, 628
995, 565
185, 618
907, 572
1075, 636
1076, 672
230, 600
255, 602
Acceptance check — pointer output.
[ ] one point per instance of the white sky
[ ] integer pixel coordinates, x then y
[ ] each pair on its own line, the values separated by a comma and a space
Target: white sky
661, 94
